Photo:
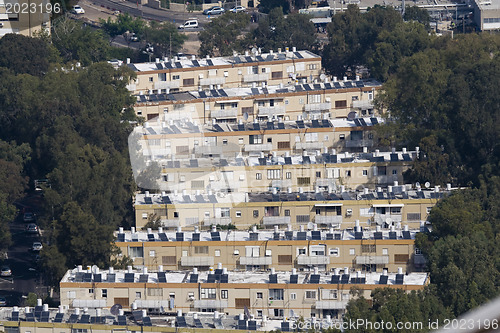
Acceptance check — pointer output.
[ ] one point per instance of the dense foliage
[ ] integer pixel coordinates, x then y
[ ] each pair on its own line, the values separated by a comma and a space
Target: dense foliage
69, 125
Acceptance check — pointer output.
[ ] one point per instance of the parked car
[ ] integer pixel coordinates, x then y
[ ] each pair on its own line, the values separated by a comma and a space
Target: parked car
77, 10
5, 271
215, 10
37, 246
3, 301
28, 217
32, 228
238, 9
189, 24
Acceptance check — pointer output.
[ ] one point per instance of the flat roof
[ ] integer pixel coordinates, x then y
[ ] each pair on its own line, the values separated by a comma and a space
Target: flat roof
196, 63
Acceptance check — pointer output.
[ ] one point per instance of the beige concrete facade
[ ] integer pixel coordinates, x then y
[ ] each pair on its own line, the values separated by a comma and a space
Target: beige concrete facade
26, 18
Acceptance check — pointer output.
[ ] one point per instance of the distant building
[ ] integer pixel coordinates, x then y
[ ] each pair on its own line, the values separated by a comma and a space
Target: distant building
487, 14
15, 17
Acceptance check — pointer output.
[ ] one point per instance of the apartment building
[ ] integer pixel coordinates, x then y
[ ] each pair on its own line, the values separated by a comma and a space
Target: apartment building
25, 18
300, 101
366, 251
275, 295
166, 76
392, 206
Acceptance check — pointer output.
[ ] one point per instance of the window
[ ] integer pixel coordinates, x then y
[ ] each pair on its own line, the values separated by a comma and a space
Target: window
310, 294
318, 211
413, 216
354, 98
150, 79
240, 141
255, 139
276, 294
348, 173
279, 312
144, 216
258, 176
169, 260
428, 209
293, 296
272, 211
208, 293
303, 181
224, 142
176, 214
184, 253
71, 294
104, 293
152, 253
269, 140
385, 252
225, 212
394, 172
162, 76
247, 109
302, 251
365, 172
318, 174
197, 184
217, 253
255, 213
334, 252
188, 82
91, 291
287, 212
224, 294
155, 292
176, 77
234, 105
352, 252
201, 249
381, 170
341, 104
369, 248
259, 296
136, 252
238, 213
273, 174
303, 219
222, 106
259, 313
288, 175
137, 295
401, 258
342, 137
276, 75
418, 251
395, 210
261, 103
313, 99
284, 259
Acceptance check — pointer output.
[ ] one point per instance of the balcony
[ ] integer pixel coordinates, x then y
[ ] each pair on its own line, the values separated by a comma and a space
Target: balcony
372, 260
170, 223
256, 261
226, 113
223, 185
363, 105
325, 182
281, 183
382, 218
89, 303
318, 107
255, 77
210, 304
313, 260
167, 84
333, 220
419, 260
192, 221
274, 220
259, 147
270, 111
208, 150
197, 261
309, 145
218, 220
152, 304
212, 81
358, 143
331, 305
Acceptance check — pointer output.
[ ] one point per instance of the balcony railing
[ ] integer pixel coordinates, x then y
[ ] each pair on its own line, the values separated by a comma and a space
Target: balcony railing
259, 147
372, 260
218, 220
358, 143
325, 182
167, 84
208, 150
334, 220
331, 305
313, 260
226, 113
281, 183
363, 104
256, 260
271, 110
210, 304
271, 220
170, 223
255, 77
197, 261
382, 218
212, 81
317, 107
309, 145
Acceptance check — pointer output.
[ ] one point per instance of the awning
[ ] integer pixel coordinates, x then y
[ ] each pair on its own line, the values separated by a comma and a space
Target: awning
333, 204
388, 205
228, 101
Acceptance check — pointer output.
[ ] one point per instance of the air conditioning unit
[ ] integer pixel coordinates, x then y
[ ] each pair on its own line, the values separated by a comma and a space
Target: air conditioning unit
191, 298
348, 212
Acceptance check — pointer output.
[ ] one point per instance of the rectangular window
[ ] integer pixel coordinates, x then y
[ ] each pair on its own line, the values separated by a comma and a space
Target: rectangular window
413, 216
369, 248
198, 184
182, 149
104, 293
136, 252
287, 212
276, 294
284, 259
188, 82
274, 174
334, 252
276, 75
293, 296
255, 139
314, 99
176, 77
259, 295
381, 170
225, 212
385, 252
303, 181
340, 104
137, 295
208, 293
284, 145
217, 253
310, 294
162, 76
401, 258
169, 260
152, 253
302, 251
352, 252
272, 211
255, 213
303, 219
288, 175
241, 303
318, 174
155, 292
201, 249
365, 172
248, 110
91, 291
258, 176
224, 294
394, 172
238, 213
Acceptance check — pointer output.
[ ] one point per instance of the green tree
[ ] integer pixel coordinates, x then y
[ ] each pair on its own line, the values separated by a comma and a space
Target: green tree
165, 38
268, 5
224, 35
421, 15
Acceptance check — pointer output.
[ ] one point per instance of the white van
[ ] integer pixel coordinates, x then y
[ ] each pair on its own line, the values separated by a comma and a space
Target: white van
189, 24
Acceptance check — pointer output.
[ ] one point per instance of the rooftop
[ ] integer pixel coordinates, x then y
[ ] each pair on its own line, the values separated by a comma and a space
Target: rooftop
196, 63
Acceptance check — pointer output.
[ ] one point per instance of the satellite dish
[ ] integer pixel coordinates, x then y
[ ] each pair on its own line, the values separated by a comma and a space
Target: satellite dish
245, 115
322, 77
427, 184
254, 50
417, 184
351, 115
388, 221
115, 309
